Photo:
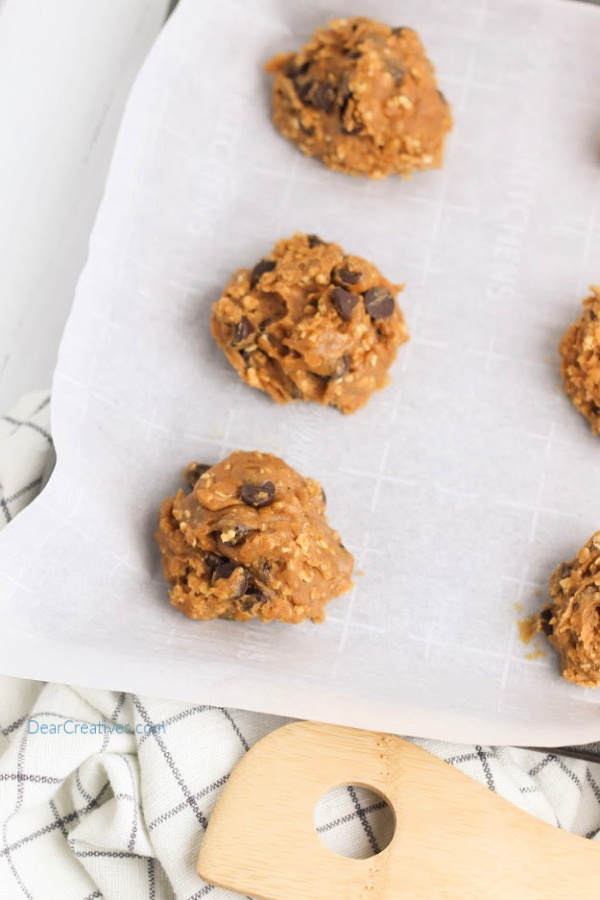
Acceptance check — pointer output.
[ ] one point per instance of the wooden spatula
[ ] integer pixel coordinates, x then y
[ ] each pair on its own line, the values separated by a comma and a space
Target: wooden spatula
454, 839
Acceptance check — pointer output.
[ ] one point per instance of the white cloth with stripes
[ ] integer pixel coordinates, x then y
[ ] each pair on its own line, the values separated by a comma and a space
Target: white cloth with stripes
121, 815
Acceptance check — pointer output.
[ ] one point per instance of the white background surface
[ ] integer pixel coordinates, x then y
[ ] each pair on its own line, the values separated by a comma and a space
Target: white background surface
66, 67
458, 488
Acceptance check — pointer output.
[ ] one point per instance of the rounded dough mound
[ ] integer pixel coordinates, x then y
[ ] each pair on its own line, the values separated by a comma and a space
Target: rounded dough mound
363, 98
311, 323
572, 622
580, 368
251, 540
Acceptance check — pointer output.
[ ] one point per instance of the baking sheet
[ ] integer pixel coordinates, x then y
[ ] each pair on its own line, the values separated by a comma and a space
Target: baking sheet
458, 488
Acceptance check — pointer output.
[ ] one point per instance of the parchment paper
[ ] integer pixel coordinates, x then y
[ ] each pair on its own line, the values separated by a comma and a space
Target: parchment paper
458, 488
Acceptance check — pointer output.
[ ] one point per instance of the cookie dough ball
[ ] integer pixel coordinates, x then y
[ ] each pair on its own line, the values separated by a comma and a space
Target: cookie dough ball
251, 540
311, 323
572, 622
363, 98
580, 367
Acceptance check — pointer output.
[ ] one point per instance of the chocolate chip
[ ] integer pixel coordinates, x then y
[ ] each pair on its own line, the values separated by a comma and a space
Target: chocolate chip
565, 571
545, 617
442, 98
379, 303
393, 68
344, 94
293, 68
236, 534
342, 275
265, 265
251, 600
304, 90
324, 496
212, 561
398, 32
258, 495
356, 128
265, 323
324, 98
342, 367
354, 54
305, 129
344, 302
279, 346
226, 570
264, 569
314, 241
193, 472
246, 358
241, 330
593, 315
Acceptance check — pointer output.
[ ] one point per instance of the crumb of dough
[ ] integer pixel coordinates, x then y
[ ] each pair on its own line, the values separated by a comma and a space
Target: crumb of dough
580, 366
571, 622
250, 539
528, 628
535, 654
310, 322
363, 98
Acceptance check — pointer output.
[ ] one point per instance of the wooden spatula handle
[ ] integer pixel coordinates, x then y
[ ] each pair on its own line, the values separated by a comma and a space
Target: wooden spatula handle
454, 839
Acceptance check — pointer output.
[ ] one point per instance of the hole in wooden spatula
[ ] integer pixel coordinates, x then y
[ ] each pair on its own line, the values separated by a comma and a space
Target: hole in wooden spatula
354, 821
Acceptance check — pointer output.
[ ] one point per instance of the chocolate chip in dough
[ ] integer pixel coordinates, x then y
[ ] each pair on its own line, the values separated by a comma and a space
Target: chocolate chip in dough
397, 72
379, 303
344, 94
265, 265
545, 617
251, 600
342, 367
304, 90
226, 571
294, 69
342, 275
241, 330
314, 241
356, 128
344, 302
565, 571
212, 561
193, 472
258, 495
324, 98
246, 358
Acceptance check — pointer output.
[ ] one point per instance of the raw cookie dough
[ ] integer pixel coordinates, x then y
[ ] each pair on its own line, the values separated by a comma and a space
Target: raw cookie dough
572, 622
251, 540
580, 367
363, 98
311, 323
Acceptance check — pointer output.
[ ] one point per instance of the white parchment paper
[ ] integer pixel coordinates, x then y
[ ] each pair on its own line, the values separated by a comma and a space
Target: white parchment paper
458, 488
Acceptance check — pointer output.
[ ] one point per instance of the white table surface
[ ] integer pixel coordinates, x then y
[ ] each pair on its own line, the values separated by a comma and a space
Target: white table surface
66, 68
